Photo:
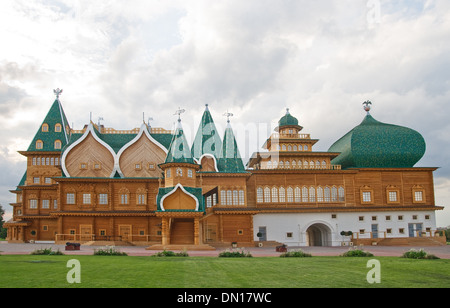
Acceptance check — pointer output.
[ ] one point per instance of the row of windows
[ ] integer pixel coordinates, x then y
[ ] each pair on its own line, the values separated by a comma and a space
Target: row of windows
45, 161
103, 199
45, 204
389, 218
179, 173
300, 194
57, 145
294, 148
45, 128
232, 197
392, 196
297, 164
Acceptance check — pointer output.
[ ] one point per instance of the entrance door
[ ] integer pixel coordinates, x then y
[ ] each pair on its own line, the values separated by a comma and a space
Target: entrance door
85, 232
413, 228
262, 231
125, 232
375, 231
211, 233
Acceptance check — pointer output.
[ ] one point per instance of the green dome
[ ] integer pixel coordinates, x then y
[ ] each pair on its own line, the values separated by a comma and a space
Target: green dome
374, 144
288, 120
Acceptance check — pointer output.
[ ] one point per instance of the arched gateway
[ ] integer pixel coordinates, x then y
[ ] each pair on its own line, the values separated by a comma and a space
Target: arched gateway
318, 234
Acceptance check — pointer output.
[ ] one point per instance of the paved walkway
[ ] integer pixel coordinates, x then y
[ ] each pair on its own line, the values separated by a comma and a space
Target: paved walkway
378, 251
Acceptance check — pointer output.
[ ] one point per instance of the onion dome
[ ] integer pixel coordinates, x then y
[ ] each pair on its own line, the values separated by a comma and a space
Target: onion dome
374, 144
288, 120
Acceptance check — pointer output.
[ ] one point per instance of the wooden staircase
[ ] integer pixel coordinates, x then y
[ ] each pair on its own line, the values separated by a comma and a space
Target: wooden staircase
411, 241
182, 232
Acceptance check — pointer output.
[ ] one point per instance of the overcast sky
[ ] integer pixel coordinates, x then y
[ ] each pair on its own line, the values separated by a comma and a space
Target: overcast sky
253, 58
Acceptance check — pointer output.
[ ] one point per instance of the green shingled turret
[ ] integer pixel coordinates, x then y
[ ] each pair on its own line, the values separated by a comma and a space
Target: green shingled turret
230, 160
55, 127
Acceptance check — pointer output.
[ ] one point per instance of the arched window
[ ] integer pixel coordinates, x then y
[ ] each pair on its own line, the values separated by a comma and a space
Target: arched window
267, 195
241, 197
229, 197
319, 194
317, 164
311, 164
297, 195
259, 195
284, 147
286, 164
324, 164
305, 194
305, 148
179, 172
305, 165
274, 195
282, 194
294, 164
45, 127
235, 197
39, 145
290, 195
341, 194
289, 148
312, 194
223, 197
294, 148
327, 194
334, 194
300, 147
58, 144
281, 164
58, 128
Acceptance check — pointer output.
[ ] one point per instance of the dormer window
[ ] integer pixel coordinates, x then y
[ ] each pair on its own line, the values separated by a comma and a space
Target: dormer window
58, 128
58, 144
39, 145
45, 127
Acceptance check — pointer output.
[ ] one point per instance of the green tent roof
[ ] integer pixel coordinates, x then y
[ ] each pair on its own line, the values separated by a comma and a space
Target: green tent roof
230, 160
54, 116
374, 144
207, 140
179, 151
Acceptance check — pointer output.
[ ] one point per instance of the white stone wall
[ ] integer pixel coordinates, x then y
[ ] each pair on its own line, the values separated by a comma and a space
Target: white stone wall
291, 228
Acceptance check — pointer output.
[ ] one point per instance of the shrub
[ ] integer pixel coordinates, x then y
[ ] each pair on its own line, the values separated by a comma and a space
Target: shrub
47, 251
169, 253
418, 254
109, 251
357, 253
235, 254
295, 254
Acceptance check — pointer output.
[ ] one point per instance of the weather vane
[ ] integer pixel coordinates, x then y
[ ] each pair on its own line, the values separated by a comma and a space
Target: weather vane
179, 112
228, 115
57, 92
367, 106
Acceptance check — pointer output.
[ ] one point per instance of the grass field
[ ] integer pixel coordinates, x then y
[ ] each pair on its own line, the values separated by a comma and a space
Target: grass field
209, 272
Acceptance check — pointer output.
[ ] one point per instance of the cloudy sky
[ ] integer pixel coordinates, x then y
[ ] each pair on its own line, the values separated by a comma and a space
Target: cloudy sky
254, 58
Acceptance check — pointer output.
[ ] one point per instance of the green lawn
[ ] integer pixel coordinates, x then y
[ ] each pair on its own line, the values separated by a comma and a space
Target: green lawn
200, 272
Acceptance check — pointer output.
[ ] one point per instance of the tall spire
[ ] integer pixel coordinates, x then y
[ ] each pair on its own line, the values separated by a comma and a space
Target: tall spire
53, 134
179, 151
230, 160
207, 140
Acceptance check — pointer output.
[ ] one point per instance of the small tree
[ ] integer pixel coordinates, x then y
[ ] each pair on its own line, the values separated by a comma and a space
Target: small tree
2, 230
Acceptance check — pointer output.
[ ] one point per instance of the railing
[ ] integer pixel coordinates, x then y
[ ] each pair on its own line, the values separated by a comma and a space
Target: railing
93, 237
309, 167
291, 136
385, 234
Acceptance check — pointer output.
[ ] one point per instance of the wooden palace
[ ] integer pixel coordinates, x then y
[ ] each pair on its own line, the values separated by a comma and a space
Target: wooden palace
149, 187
